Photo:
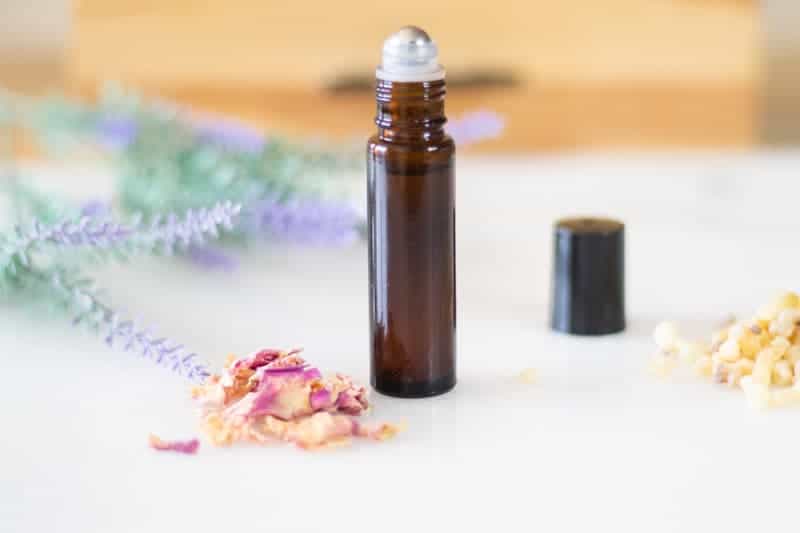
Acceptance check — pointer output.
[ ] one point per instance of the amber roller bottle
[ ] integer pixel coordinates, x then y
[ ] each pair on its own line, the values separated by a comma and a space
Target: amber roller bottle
411, 218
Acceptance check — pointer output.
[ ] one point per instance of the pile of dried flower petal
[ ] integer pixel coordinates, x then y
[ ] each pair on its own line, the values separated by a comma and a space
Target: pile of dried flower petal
273, 395
761, 355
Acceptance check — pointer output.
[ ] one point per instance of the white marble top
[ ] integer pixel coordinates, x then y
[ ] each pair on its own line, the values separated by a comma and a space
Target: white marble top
596, 444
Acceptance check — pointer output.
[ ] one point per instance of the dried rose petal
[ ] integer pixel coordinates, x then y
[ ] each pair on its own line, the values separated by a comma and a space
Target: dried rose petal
352, 399
284, 369
325, 429
320, 429
188, 447
320, 399
288, 360
382, 432
262, 358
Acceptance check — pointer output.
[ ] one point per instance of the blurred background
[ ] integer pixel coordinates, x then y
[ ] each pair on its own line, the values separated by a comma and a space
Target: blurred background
567, 75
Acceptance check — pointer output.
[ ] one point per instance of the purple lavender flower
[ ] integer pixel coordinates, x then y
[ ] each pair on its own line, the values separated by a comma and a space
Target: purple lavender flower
83, 232
95, 208
171, 232
228, 134
117, 132
306, 221
81, 296
166, 233
475, 127
212, 258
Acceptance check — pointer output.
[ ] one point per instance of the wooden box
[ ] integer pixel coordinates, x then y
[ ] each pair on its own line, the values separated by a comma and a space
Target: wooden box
568, 74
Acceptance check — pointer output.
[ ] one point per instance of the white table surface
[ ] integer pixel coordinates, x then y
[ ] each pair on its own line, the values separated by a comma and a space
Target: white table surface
596, 444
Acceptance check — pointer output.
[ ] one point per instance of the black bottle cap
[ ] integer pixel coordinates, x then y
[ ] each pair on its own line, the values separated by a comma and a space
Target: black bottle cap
588, 276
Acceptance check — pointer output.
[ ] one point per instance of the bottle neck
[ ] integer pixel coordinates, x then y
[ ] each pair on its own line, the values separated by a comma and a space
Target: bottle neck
410, 111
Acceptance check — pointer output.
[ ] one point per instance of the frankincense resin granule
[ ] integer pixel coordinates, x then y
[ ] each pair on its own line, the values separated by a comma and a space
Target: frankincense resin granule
760, 355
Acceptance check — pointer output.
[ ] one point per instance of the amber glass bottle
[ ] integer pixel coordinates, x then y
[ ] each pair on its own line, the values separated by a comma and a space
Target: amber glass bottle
411, 219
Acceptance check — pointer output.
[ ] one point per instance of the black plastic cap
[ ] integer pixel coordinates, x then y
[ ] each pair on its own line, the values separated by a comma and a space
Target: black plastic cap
588, 276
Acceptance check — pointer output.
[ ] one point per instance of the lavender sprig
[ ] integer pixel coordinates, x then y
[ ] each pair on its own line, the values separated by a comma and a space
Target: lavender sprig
83, 232
20, 269
305, 221
166, 234
81, 296
171, 232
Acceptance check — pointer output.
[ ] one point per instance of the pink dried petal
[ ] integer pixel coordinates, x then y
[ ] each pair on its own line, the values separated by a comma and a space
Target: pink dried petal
288, 360
261, 358
321, 399
287, 363
286, 377
211, 394
311, 374
348, 404
283, 395
319, 430
296, 369
291, 403
380, 432
258, 403
188, 447
351, 399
